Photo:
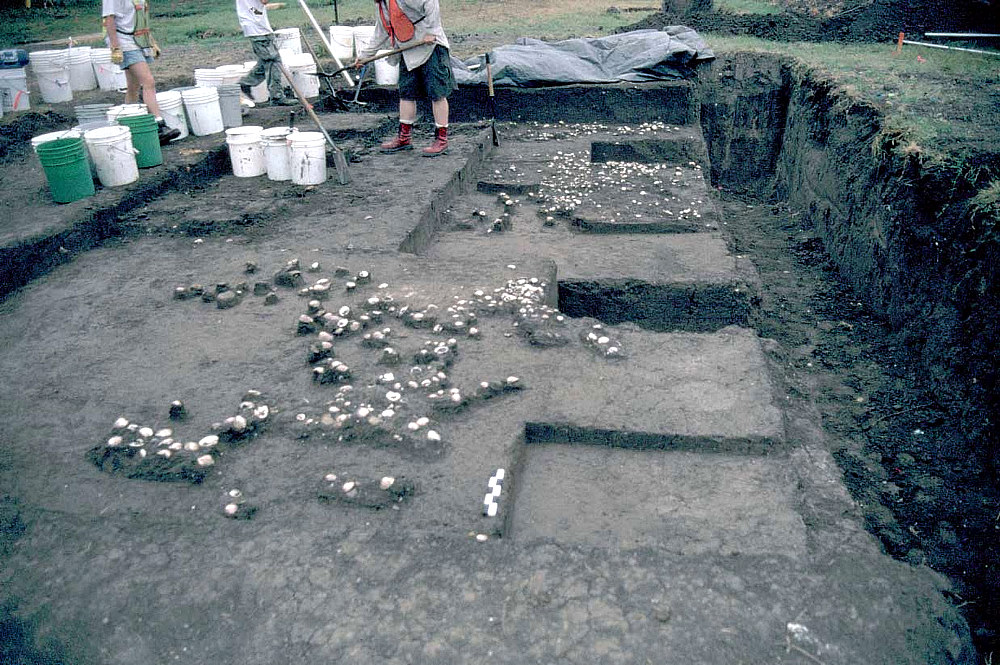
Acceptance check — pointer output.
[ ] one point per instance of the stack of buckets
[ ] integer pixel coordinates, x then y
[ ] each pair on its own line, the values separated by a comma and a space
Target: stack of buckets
229, 105
51, 68
109, 75
113, 154
81, 69
66, 168
145, 139
91, 116
203, 111
301, 66
14, 87
172, 108
280, 152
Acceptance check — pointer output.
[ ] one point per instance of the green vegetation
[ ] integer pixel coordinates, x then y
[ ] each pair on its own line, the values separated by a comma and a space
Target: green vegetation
186, 21
747, 6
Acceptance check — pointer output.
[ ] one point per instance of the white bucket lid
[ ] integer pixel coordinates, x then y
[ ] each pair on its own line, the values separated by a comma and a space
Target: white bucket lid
278, 132
52, 136
286, 32
245, 130
200, 94
169, 98
229, 69
40, 56
108, 134
306, 137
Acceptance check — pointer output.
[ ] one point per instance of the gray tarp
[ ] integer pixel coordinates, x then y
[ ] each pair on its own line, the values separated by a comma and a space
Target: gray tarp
640, 55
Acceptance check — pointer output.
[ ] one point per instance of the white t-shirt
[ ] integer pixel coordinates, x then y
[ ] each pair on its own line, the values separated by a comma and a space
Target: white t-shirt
253, 18
124, 13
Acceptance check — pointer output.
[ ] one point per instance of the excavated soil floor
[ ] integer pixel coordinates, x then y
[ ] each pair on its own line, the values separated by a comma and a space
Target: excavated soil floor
103, 563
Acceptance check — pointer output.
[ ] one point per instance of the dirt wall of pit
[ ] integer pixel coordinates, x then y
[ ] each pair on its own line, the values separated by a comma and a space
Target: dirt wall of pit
898, 226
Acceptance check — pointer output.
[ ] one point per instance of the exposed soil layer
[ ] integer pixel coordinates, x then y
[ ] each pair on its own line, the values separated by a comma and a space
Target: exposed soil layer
899, 234
879, 21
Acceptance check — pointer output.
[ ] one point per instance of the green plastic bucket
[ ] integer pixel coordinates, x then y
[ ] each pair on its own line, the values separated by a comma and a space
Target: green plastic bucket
67, 169
145, 139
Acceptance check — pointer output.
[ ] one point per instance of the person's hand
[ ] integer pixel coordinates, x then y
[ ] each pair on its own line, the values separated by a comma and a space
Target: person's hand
274, 5
357, 64
156, 50
117, 57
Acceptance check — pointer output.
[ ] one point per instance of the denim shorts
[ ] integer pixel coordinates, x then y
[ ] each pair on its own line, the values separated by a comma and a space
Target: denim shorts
129, 58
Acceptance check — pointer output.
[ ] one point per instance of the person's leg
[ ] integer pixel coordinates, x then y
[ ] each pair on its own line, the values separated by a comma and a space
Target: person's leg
255, 75
408, 85
408, 111
439, 81
140, 81
131, 86
439, 108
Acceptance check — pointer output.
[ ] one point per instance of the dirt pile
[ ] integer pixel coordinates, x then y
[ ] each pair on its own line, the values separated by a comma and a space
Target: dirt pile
812, 20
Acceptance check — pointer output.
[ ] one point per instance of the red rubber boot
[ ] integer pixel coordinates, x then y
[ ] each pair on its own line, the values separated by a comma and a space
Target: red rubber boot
401, 142
440, 145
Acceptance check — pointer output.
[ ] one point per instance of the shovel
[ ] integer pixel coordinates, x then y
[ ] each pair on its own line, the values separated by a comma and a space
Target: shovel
493, 106
429, 39
343, 176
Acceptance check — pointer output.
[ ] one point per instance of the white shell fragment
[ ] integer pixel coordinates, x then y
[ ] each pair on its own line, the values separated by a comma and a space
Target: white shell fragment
205, 460
386, 482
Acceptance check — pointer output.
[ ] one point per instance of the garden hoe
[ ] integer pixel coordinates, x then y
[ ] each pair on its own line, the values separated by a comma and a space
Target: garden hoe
429, 39
493, 105
343, 176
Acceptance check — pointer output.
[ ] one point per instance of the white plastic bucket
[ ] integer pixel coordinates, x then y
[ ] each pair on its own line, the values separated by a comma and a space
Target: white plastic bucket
172, 109
386, 74
246, 153
288, 38
81, 69
342, 41
362, 35
109, 75
14, 90
301, 67
307, 157
43, 59
208, 78
53, 82
52, 136
274, 141
229, 105
203, 111
124, 110
259, 92
112, 154
230, 73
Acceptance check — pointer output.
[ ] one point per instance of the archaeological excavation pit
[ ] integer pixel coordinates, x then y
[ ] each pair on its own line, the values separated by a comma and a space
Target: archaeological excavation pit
630, 306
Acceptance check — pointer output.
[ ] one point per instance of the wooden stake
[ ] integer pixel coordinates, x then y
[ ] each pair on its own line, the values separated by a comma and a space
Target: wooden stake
899, 43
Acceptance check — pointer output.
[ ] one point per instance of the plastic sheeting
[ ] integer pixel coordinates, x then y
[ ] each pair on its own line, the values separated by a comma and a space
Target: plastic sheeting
640, 55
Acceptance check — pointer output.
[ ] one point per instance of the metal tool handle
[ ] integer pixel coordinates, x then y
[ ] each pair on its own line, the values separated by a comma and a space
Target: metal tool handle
339, 160
326, 43
489, 75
